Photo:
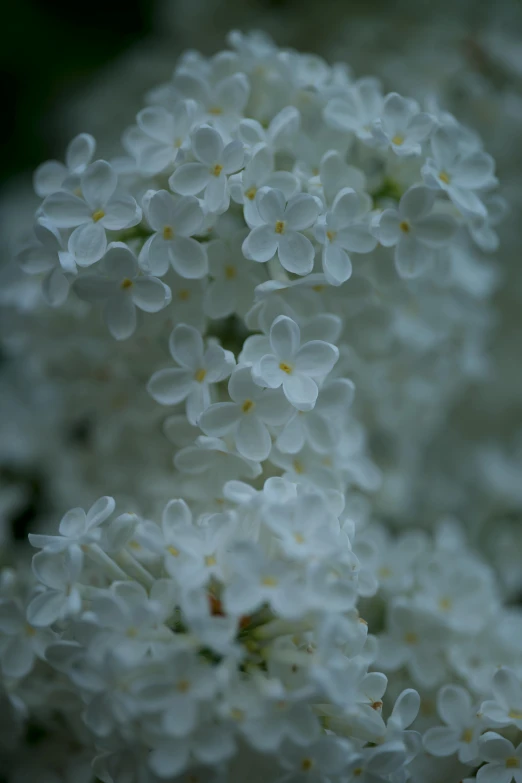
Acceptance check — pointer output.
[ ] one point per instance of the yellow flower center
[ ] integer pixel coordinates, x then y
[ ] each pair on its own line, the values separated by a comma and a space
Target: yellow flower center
184, 294
173, 551
230, 272
168, 233
200, 375
515, 714
269, 581
251, 193
126, 283
306, 765
210, 560
398, 140
285, 367
405, 226
98, 215
331, 235
512, 762
215, 110
411, 638
298, 466
280, 227
444, 177
217, 169
247, 406
466, 736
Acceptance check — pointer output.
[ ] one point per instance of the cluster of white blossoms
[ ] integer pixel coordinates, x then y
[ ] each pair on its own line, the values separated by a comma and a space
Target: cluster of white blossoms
283, 230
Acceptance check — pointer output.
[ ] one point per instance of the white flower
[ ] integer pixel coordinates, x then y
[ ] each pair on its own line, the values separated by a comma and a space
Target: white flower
122, 289
280, 231
343, 229
402, 125
318, 426
247, 417
174, 220
199, 369
22, 643
414, 230
46, 254
295, 525
210, 174
223, 100
373, 765
101, 205
293, 366
315, 763
76, 528
280, 132
233, 280
463, 726
52, 175
59, 573
458, 170
504, 761
163, 136
357, 109
506, 708
258, 173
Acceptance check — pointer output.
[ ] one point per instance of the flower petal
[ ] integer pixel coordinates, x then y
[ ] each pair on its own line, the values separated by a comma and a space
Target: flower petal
120, 316
188, 258
170, 386
296, 253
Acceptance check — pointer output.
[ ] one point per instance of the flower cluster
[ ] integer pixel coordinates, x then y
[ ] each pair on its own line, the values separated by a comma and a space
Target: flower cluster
284, 230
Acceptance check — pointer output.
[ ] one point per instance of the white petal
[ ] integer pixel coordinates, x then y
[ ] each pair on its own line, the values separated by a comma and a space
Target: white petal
271, 205
291, 440
346, 207
474, 171
269, 372
80, 152
232, 93
176, 516
55, 288
285, 337
301, 212
157, 123
435, 230
65, 210
241, 386
88, 243
17, 657
168, 387
120, 316
316, 358
161, 209
296, 253
45, 608
99, 182
207, 145
73, 523
48, 178
261, 244
120, 262
186, 347
506, 687
336, 264
150, 294
190, 178
273, 408
252, 438
122, 211
220, 418
100, 511
495, 748
417, 202
216, 195
188, 217
155, 255
188, 258
411, 257
300, 391
197, 401
454, 705
441, 741
494, 773
233, 157
388, 227
356, 239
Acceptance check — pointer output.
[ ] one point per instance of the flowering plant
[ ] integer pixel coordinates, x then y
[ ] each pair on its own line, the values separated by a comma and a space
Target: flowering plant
281, 229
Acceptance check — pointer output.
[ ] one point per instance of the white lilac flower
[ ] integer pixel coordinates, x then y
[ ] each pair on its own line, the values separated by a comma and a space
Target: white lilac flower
47, 255
464, 726
59, 572
53, 175
122, 289
295, 367
343, 230
223, 99
402, 125
357, 109
462, 172
233, 280
503, 760
22, 643
415, 230
506, 707
215, 162
100, 206
280, 230
248, 416
199, 369
77, 528
174, 222
163, 137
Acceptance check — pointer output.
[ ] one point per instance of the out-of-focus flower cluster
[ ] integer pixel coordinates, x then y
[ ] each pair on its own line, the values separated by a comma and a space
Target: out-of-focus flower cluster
284, 264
